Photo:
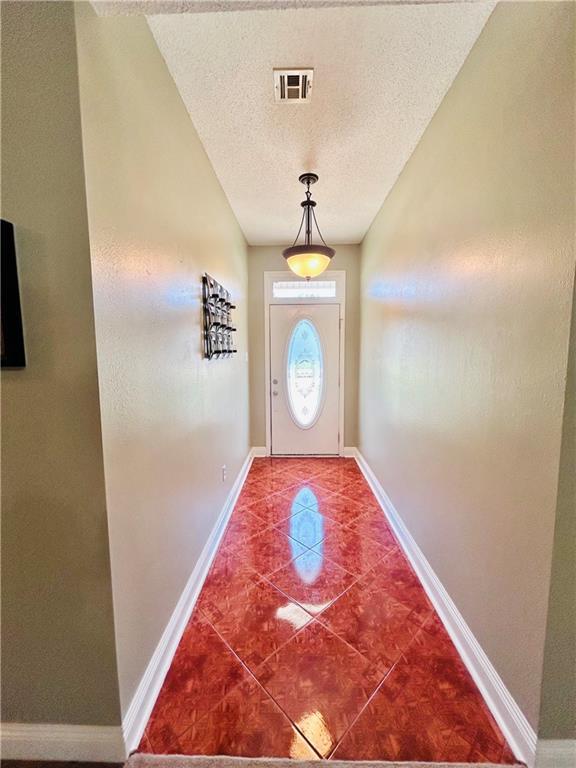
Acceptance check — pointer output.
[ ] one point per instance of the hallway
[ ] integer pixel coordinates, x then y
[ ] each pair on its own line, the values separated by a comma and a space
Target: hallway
312, 637
292, 229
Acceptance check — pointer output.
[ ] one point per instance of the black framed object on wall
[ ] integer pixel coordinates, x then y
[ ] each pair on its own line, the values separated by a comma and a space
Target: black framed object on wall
13, 354
218, 326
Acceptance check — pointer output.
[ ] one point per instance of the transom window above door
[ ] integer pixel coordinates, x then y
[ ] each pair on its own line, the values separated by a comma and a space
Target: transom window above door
304, 289
282, 287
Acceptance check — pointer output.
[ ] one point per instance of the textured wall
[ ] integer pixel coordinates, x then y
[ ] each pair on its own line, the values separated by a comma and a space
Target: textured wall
558, 708
466, 293
158, 219
58, 658
269, 258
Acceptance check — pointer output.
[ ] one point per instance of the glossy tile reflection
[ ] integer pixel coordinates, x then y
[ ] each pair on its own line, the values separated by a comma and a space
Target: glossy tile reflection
246, 723
313, 638
260, 622
318, 675
312, 581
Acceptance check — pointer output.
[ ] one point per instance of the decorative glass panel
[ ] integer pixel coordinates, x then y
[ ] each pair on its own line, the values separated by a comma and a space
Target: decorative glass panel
305, 374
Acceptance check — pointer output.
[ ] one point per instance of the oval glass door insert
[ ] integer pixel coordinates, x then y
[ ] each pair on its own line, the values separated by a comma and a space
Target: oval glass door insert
305, 374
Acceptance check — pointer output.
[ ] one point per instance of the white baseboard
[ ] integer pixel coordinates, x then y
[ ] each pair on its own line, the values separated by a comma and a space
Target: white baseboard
556, 753
514, 725
44, 741
143, 701
259, 451
349, 452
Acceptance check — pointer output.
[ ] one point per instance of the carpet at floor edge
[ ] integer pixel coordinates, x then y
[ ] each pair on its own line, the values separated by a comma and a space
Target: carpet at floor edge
141, 760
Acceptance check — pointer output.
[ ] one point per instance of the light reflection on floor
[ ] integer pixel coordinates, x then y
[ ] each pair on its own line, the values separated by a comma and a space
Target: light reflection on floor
307, 527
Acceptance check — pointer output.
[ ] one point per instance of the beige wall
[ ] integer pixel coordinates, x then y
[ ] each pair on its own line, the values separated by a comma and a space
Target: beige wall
269, 258
58, 658
466, 291
558, 706
158, 219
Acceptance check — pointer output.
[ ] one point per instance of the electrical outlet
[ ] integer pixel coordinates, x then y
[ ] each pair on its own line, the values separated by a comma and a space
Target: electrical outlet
224, 473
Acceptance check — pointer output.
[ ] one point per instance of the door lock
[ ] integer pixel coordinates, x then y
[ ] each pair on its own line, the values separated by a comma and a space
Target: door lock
274, 381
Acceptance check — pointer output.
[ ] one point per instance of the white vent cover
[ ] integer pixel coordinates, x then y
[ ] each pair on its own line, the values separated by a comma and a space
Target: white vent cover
293, 85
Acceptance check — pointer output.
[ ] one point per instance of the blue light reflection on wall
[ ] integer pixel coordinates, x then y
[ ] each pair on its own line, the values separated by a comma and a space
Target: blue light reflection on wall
307, 527
393, 289
178, 294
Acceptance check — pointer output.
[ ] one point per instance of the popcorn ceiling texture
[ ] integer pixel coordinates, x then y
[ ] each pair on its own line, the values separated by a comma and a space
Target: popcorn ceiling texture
370, 103
130, 7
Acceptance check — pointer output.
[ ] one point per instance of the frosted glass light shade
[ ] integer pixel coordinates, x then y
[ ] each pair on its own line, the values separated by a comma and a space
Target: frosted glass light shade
308, 260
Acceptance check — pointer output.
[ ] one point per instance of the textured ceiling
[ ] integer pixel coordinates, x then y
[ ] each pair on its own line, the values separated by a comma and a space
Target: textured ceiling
138, 7
379, 75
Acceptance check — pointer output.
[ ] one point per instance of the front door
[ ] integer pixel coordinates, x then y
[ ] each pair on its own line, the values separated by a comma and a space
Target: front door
304, 378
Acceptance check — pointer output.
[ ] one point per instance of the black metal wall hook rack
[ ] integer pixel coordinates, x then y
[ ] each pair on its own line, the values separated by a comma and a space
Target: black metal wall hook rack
218, 327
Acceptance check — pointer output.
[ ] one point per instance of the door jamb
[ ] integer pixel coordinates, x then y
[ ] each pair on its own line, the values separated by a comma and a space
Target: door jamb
269, 278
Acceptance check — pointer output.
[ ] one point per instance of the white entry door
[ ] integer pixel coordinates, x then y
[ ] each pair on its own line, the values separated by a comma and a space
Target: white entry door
304, 378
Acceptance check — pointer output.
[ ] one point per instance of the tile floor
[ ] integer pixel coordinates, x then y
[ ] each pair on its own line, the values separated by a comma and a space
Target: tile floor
313, 638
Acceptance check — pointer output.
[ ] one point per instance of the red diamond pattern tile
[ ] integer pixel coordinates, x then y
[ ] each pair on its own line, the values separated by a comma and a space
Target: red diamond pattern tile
427, 707
276, 483
350, 550
268, 551
203, 671
260, 623
344, 467
394, 576
242, 526
252, 493
321, 683
313, 637
247, 723
363, 496
308, 526
378, 625
335, 483
316, 495
229, 577
373, 525
341, 509
276, 508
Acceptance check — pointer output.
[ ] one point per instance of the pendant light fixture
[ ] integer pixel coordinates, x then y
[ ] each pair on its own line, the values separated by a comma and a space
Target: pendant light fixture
308, 260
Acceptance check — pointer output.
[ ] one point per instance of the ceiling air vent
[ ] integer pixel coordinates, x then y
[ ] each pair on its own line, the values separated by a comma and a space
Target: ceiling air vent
293, 85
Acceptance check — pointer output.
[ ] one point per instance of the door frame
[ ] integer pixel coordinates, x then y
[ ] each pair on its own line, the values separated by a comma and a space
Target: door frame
339, 276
